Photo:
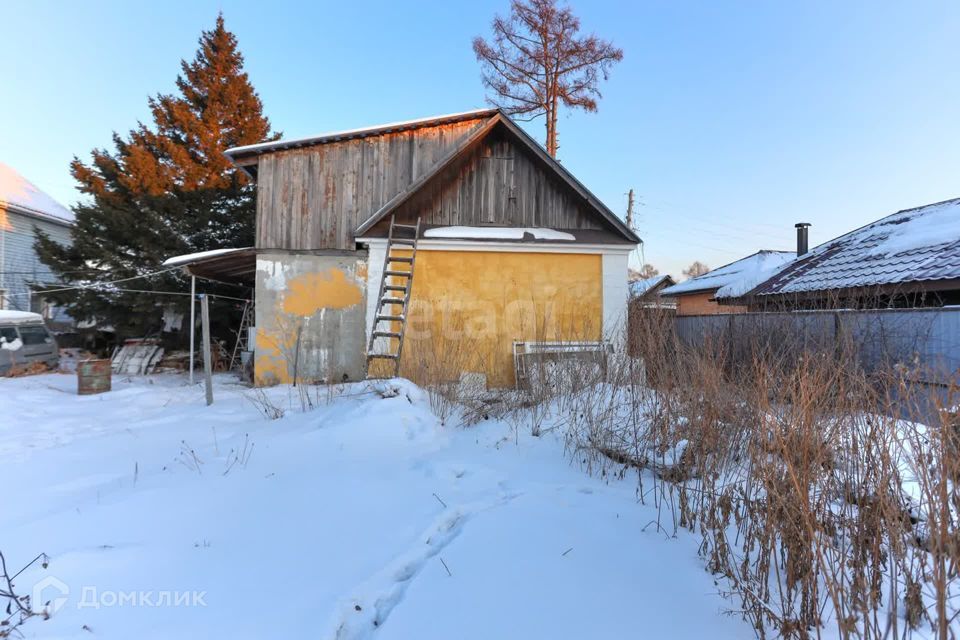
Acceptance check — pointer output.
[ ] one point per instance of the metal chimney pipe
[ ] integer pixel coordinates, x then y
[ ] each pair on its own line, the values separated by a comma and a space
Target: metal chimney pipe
802, 238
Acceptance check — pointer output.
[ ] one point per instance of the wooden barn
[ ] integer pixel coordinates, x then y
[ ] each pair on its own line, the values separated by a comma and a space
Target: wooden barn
492, 244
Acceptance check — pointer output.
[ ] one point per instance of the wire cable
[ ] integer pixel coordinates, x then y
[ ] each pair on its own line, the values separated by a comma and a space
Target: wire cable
96, 284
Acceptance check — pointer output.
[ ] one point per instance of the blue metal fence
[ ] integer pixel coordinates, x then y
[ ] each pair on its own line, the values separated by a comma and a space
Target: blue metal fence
926, 341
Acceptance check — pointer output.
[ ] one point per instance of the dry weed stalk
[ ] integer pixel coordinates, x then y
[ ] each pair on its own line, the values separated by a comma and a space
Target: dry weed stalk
824, 493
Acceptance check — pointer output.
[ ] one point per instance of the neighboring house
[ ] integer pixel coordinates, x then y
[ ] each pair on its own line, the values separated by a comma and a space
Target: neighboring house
513, 249
23, 209
698, 296
905, 260
647, 291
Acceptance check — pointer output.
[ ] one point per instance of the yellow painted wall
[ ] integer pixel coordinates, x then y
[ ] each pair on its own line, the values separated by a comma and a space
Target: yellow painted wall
468, 308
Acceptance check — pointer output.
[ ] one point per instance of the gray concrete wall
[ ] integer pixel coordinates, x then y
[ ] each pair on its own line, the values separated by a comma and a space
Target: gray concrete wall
320, 297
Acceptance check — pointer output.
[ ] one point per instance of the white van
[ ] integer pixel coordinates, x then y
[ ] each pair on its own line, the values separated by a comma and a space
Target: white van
24, 339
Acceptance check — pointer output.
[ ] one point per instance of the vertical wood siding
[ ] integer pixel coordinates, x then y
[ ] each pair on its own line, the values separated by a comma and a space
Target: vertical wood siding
500, 184
314, 198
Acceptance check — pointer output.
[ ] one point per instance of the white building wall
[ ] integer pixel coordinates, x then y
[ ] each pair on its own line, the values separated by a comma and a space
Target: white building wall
616, 294
378, 251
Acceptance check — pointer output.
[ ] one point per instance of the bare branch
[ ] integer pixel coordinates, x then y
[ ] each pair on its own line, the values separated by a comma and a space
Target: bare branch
536, 61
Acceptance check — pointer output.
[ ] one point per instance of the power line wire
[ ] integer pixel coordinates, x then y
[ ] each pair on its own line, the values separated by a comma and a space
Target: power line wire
726, 226
96, 285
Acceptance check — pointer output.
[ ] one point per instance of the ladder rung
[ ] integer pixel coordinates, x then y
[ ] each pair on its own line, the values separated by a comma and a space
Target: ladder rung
406, 248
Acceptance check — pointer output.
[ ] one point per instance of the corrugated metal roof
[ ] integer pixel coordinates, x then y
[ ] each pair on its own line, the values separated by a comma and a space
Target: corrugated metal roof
744, 269
913, 245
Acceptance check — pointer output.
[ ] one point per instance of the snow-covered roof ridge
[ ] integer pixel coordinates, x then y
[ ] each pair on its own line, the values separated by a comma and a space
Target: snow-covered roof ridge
640, 287
334, 135
498, 233
912, 245
19, 193
739, 276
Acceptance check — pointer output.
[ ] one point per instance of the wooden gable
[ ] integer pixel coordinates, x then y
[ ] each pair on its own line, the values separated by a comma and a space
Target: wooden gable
499, 184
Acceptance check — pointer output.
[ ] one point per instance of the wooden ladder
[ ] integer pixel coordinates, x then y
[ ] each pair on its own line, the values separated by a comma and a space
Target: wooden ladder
394, 294
242, 343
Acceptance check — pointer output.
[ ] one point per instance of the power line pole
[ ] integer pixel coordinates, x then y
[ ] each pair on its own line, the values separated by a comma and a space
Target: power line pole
193, 320
630, 210
207, 354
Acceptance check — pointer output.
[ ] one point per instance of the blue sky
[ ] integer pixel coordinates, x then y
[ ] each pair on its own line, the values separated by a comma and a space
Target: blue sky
731, 120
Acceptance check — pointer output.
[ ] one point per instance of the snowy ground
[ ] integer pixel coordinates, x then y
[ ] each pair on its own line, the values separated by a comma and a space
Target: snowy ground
362, 518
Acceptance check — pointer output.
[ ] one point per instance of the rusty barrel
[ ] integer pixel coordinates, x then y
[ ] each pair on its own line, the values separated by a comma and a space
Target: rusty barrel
93, 376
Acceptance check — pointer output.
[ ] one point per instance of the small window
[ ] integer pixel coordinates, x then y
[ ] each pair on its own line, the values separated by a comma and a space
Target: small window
8, 334
38, 304
35, 335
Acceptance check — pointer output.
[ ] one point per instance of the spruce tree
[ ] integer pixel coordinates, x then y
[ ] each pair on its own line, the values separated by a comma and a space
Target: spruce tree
166, 189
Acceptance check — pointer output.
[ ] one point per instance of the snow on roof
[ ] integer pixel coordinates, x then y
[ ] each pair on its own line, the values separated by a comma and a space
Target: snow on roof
640, 287
337, 135
8, 316
497, 233
913, 245
19, 193
739, 276
187, 258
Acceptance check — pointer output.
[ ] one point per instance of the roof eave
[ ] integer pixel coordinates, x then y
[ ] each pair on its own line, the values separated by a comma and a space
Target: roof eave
909, 286
34, 213
238, 155
688, 292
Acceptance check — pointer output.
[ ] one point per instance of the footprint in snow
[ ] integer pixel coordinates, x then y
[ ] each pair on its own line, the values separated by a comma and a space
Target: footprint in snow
364, 613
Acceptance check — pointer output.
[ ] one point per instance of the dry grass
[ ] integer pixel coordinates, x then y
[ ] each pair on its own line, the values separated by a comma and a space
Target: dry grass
824, 496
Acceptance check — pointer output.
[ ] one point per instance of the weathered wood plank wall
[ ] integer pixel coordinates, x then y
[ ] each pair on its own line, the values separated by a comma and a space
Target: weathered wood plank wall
500, 184
314, 198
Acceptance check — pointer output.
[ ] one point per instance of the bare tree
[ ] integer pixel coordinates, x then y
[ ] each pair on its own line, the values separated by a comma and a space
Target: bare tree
696, 269
537, 62
645, 272
649, 271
